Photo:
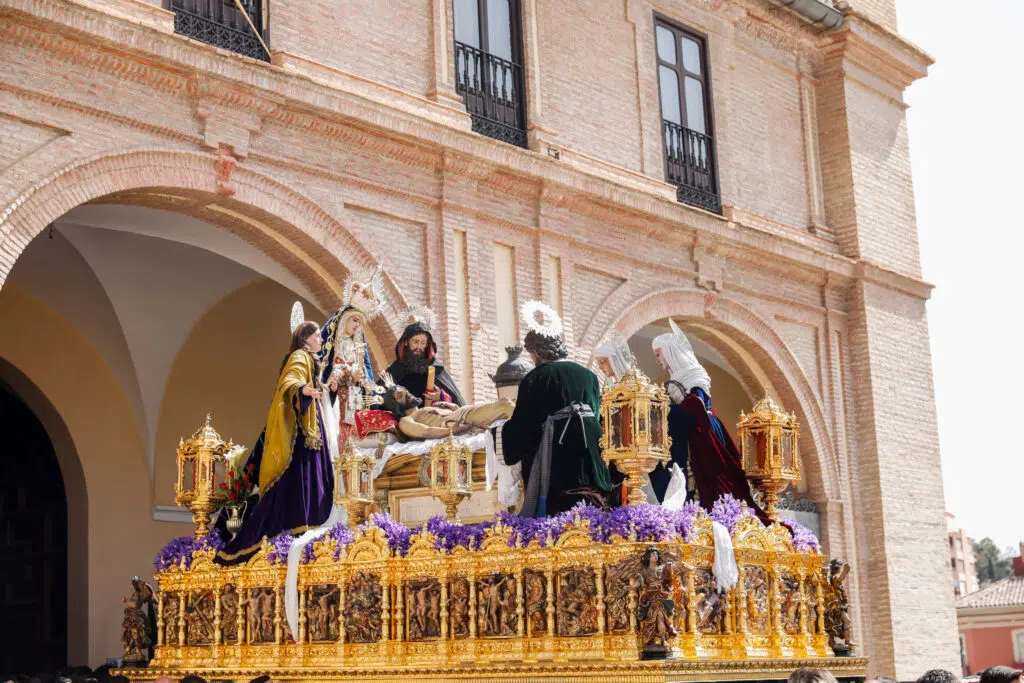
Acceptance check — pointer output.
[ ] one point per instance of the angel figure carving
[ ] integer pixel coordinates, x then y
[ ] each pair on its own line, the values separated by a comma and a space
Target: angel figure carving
139, 624
655, 606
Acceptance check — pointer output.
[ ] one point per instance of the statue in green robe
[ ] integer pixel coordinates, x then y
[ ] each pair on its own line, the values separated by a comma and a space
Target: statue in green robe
555, 428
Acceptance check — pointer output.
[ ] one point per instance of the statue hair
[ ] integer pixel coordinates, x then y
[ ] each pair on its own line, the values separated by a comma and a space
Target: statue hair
547, 348
299, 337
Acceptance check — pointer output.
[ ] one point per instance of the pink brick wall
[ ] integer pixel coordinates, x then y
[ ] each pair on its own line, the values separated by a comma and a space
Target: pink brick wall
328, 179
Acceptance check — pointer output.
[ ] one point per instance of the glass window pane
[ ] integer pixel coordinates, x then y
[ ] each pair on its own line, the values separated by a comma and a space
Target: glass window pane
691, 55
695, 105
467, 22
666, 45
669, 95
499, 29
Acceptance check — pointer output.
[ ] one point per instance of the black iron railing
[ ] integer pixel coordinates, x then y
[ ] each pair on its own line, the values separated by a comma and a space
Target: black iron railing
221, 23
492, 88
690, 165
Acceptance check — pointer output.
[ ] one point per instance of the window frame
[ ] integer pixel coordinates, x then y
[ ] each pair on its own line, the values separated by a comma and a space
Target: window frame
492, 121
704, 77
703, 43
515, 28
1017, 639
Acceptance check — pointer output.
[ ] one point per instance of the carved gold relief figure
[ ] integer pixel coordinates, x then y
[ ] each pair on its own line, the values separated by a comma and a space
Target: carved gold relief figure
458, 610
199, 618
710, 604
496, 612
229, 614
536, 602
423, 598
577, 602
322, 613
363, 621
755, 590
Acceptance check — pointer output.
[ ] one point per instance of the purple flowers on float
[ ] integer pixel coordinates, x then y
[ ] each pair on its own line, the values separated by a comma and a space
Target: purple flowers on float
180, 550
803, 538
639, 522
729, 511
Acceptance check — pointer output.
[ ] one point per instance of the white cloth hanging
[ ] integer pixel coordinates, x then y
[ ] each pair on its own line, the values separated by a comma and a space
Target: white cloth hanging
726, 572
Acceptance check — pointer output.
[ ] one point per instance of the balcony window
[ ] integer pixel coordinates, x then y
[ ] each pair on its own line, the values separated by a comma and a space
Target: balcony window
684, 86
221, 23
489, 67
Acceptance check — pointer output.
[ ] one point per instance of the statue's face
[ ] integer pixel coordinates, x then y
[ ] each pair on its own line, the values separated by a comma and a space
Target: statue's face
353, 325
605, 366
652, 561
404, 399
314, 343
661, 359
418, 344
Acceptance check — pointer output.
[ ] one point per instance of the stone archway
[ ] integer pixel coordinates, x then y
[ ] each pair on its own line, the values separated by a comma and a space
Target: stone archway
749, 342
280, 221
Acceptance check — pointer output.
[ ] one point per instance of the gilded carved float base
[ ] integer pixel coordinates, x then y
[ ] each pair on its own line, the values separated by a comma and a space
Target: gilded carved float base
844, 668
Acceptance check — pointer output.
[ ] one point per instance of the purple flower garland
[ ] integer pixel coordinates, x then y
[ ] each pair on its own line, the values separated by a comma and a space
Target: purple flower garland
642, 522
179, 551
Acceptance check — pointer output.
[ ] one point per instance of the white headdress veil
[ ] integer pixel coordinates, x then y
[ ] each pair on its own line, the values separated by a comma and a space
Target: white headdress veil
682, 361
616, 350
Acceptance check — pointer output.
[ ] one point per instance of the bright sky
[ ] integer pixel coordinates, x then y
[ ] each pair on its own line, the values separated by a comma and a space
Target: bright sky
966, 120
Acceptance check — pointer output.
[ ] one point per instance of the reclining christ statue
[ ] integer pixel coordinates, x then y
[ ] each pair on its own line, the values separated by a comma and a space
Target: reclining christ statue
442, 419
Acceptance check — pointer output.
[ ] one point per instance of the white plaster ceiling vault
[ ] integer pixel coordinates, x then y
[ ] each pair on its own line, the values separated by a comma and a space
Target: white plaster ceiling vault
135, 281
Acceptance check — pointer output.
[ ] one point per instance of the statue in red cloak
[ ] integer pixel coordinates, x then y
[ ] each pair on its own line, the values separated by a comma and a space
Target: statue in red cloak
700, 442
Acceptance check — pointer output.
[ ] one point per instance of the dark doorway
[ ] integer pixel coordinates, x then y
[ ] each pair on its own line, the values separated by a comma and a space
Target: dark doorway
33, 544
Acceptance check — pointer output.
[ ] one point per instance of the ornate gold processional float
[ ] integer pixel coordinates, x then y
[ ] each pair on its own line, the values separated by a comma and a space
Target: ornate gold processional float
586, 595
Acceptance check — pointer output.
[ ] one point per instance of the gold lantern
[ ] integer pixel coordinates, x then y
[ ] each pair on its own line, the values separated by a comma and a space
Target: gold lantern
451, 475
353, 483
634, 413
768, 441
201, 469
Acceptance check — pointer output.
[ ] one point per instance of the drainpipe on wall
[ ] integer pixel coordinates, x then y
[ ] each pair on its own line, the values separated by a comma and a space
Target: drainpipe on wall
818, 12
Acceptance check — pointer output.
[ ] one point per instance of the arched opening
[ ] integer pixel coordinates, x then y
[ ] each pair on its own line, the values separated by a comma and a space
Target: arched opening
33, 543
115, 309
736, 384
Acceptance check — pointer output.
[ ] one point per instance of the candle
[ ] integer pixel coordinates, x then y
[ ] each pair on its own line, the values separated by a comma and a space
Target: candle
430, 379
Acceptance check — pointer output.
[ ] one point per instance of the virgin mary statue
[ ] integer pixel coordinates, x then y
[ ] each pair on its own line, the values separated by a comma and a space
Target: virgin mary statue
292, 456
347, 370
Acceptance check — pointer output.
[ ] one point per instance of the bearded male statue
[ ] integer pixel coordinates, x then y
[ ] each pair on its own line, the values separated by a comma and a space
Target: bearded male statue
441, 419
416, 359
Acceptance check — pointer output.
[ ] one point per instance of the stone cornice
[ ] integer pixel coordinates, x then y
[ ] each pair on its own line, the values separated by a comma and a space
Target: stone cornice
883, 54
890, 279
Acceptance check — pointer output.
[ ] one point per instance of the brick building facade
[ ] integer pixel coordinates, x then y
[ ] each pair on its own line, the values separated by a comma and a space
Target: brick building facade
779, 229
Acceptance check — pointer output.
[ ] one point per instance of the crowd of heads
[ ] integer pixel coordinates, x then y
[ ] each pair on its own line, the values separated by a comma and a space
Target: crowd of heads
995, 674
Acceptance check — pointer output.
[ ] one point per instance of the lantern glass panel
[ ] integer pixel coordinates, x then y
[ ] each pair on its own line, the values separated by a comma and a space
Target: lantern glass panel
616, 431
220, 471
657, 433
345, 477
750, 451
364, 483
442, 471
188, 476
787, 450
626, 425
463, 476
